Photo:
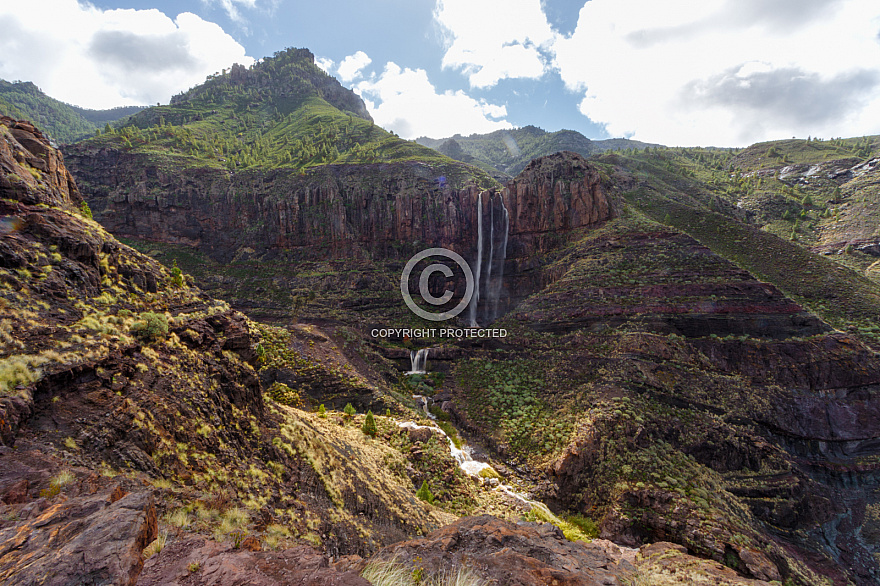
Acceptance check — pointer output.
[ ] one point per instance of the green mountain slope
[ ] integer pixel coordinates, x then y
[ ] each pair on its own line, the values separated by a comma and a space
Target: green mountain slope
756, 209
63, 122
507, 152
282, 112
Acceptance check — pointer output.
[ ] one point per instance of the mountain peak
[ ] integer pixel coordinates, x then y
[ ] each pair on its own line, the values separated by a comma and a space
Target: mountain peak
291, 72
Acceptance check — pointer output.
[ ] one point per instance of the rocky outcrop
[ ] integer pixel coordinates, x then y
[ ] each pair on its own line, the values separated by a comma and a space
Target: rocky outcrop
67, 526
508, 554
31, 170
668, 563
88, 538
197, 562
534, 554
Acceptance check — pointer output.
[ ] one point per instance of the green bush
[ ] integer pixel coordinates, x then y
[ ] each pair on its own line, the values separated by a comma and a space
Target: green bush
451, 432
151, 326
85, 210
585, 524
349, 410
424, 493
283, 394
322, 411
176, 275
369, 427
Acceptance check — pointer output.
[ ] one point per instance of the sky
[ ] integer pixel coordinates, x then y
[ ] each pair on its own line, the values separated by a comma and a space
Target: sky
675, 72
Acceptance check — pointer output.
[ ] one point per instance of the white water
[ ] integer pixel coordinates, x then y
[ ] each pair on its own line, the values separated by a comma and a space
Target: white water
417, 361
472, 309
491, 253
491, 288
495, 290
466, 462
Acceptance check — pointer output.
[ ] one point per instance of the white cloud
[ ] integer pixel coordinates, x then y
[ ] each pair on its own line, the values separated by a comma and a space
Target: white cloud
404, 100
491, 40
726, 72
97, 58
351, 66
231, 7
325, 63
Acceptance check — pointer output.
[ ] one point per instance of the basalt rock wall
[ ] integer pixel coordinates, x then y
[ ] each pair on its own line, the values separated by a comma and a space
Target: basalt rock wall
336, 211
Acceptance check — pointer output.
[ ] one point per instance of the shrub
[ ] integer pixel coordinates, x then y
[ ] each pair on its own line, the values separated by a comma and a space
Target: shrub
151, 326
349, 410
369, 427
450, 432
585, 524
283, 394
85, 210
424, 493
322, 411
176, 275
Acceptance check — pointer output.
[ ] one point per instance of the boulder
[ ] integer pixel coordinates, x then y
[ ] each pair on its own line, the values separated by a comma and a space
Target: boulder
196, 562
81, 540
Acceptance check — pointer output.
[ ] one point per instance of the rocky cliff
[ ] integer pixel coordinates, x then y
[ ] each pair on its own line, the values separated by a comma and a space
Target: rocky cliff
335, 211
361, 213
32, 170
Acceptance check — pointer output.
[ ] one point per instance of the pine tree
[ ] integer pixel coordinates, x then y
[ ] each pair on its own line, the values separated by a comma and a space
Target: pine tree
349, 410
424, 493
85, 210
369, 427
322, 411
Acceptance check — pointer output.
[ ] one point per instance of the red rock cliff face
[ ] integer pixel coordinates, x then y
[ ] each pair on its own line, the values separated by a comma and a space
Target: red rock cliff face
339, 211
31, 170
555, 193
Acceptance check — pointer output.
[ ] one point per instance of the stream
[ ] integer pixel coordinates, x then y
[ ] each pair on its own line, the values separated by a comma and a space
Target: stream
468, 465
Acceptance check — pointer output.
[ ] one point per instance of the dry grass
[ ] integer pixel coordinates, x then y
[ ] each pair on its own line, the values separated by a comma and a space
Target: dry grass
157, 545
395, 573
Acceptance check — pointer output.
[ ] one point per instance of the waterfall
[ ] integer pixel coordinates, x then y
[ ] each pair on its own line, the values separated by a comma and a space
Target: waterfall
495, 291
417, 361
472, 310
492, 286
491, 257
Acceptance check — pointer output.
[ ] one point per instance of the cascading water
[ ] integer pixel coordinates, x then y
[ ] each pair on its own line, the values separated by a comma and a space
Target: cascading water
417, 360
488, 287
494, 280
494, 291
472, 309
470, 466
